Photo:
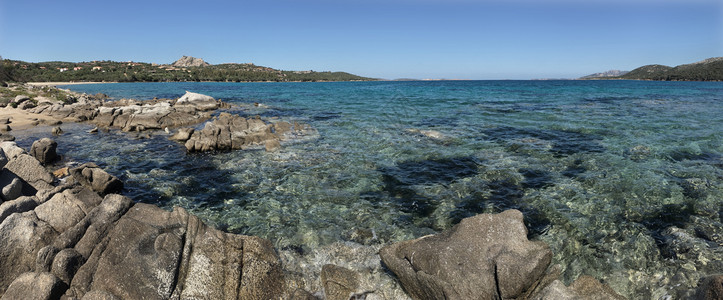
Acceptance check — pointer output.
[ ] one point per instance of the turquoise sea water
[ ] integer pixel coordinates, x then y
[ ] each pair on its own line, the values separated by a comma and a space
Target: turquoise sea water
623, 179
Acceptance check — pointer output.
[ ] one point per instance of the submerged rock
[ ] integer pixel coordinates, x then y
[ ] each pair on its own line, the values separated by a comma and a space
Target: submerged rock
339, 283
585, 287
483, 257
710, 288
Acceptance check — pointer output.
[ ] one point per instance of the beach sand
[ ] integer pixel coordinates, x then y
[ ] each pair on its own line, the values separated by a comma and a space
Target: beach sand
21, 119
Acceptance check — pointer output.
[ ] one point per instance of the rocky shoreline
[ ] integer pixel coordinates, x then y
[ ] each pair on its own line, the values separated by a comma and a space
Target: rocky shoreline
69, 234
221, 130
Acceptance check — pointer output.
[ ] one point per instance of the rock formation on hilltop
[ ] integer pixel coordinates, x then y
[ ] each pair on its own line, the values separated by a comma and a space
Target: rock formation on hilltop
188, 61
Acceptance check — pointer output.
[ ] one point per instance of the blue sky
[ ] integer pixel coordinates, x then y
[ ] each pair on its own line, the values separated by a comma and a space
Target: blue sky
454, 39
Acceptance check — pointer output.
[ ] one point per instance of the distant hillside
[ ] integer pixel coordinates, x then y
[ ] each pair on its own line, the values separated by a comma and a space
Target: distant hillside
185, 69
707, 70
606, 74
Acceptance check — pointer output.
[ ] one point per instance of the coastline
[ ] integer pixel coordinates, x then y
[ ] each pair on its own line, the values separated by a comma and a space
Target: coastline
57, 83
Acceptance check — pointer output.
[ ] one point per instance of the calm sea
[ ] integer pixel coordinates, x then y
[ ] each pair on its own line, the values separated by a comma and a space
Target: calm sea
623, 179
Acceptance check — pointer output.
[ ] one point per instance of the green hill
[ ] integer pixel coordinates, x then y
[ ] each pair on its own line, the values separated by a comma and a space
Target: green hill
13, 70
707, 70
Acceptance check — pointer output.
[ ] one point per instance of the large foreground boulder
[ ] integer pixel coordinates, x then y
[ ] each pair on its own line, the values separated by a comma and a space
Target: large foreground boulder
483, 257
70, 242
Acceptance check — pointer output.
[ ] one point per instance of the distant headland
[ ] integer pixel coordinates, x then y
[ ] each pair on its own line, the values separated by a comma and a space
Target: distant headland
187, 68
706, 70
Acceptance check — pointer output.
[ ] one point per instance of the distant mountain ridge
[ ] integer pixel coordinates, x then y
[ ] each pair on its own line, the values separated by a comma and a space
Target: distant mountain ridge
606, 74
710, 69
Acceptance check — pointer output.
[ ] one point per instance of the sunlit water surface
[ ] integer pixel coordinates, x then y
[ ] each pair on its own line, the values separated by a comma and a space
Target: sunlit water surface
623, 179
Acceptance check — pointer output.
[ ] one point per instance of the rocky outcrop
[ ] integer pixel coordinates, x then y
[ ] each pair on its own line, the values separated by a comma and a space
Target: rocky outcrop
487, 256
188, 61
92, 176
44, 150
70, 241
483, 257
227, 132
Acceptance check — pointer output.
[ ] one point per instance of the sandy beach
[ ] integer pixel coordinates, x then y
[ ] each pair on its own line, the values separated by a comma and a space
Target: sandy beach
21, 119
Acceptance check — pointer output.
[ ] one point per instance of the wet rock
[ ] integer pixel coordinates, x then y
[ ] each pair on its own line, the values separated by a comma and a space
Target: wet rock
300, 294
585, 287
35, 286
227, 132
44, 150
483, 257
198, 101
94, 177
182, 135
57, 131
710, 288
272, 145
339, 283
31, 171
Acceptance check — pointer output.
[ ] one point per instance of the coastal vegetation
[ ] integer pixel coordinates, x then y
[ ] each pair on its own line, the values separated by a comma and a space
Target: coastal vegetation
112, 71
707, 70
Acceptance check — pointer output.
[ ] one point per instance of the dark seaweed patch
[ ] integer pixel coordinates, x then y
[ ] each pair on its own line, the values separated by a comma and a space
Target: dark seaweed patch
706, 157
574, 170
535, 179
608, 99
399, 181
326, 116
504, 195
563, 142
668, 215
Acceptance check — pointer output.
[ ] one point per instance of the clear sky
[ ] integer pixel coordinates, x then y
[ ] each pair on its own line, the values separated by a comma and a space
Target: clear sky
454, 39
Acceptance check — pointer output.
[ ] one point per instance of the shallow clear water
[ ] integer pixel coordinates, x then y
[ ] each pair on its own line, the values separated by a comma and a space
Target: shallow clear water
624, 179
